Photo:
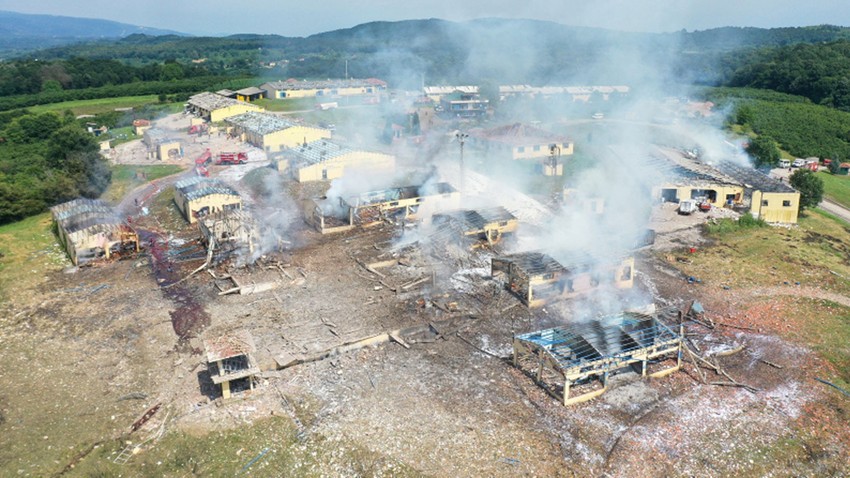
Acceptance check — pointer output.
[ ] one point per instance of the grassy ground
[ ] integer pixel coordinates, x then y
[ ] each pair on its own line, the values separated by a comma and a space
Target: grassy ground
836, 188
267, 448
125, 178
100, 105
771, 256
294, 104
29, 251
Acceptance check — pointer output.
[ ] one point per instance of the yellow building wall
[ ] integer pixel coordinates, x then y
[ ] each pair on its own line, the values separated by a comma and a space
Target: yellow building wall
290, 138
684, 192
542, 151
297, 93
233, 110
775, 210
335, 168
163, 148
215, 203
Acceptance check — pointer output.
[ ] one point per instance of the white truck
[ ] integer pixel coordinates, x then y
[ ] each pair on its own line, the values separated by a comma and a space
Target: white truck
687, 206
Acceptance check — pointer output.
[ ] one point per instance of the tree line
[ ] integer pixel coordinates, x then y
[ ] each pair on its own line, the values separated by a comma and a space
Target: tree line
46, 159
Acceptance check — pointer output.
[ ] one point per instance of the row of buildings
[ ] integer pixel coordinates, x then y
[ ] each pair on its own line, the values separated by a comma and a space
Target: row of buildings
292, 88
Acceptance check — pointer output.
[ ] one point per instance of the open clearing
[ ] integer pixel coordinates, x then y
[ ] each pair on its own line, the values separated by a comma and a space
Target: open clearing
87, 351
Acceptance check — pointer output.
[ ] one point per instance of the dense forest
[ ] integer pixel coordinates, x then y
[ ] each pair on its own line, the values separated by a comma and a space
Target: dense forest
46, 159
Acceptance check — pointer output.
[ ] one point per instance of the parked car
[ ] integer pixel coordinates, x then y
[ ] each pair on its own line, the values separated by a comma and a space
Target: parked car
687, 206
798, 163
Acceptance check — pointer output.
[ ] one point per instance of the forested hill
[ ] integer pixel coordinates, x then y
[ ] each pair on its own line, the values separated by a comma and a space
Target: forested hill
20, 32
521, 51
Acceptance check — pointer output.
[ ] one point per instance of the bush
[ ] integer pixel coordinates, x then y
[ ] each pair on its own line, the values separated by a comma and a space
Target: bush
726, 225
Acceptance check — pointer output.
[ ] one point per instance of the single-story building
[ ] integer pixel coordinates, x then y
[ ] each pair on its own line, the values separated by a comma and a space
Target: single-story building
230, 362
520, 141
595, 349
293, 88
140, 126
537, 278
324, 160
272, 133
214, 108
249, 94
371, 208
90, 229
199, 196
489, 225
161, 145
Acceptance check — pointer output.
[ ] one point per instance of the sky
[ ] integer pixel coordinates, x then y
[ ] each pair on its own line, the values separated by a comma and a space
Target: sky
300, 18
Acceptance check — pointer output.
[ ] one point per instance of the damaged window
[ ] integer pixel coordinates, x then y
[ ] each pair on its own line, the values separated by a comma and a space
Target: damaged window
786, 203
764, 202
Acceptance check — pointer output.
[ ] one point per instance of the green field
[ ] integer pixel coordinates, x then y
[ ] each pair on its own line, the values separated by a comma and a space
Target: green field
295, 104
100, 105
836, 188
28, 251
126, 177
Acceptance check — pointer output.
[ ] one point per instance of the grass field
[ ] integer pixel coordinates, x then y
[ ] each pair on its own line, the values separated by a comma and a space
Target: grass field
836, 188
771, 256
294, 104
100, 105
29, 251
126, 177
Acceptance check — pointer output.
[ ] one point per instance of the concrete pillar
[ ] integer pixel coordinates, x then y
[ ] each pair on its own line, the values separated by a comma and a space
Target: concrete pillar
225, 390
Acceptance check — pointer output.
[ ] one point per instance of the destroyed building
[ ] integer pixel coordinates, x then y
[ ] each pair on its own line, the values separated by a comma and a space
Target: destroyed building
324, 160
230, 231
725, 185
89, 229
215, 108
230, 362
537, 279
330, 88
161, 145
562, 357
196, 197
374, 207
520, 141
272, 133
488, 225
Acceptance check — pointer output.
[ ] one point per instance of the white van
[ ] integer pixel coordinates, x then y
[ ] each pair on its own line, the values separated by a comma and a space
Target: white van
784, 163
798, 163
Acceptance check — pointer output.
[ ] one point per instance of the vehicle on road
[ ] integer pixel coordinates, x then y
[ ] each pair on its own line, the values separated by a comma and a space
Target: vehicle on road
232, 158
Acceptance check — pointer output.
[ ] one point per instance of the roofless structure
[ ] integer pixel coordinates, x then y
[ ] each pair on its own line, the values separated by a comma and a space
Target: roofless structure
561, 357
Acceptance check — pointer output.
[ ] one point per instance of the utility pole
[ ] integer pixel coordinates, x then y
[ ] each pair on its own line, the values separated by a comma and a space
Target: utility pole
461, 137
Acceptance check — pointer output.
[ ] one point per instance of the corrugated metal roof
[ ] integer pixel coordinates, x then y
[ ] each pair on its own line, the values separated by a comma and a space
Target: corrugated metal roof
317, 151
211, 101
293, 84
260, 123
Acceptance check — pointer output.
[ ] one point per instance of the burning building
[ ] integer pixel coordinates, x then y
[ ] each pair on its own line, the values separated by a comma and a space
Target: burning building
538, 279
725, 185
324, 160
482, 225
595, 349
196, 197
230, 362
89, 229
230, 230
370, 208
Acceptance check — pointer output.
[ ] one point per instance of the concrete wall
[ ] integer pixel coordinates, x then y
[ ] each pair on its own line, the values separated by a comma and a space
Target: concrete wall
233, 110
776, 207
212, 203
721, 190
335, 168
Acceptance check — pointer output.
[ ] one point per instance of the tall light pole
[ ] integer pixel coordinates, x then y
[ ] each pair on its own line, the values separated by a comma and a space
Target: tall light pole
461, 137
